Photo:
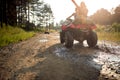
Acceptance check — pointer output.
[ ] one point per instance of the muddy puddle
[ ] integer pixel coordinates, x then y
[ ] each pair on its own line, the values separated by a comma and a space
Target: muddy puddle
76, 57
107, 63
43, 39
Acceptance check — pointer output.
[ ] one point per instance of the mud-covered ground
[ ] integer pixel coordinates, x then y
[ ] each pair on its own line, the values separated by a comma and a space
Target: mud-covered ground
42, 57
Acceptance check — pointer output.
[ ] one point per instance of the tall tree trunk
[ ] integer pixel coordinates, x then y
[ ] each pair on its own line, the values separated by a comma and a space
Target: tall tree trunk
28, 11
12, 14
5, 12
1, 13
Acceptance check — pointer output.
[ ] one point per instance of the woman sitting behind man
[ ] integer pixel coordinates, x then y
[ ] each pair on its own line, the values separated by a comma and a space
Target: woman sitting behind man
80, 14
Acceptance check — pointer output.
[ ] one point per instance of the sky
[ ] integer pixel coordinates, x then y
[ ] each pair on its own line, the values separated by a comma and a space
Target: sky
64, 8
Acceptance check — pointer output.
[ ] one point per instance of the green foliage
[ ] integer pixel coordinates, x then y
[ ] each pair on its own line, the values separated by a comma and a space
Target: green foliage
13, 34
116, 27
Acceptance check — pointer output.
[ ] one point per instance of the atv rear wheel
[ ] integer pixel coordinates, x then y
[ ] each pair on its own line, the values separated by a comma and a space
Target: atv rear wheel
92, 39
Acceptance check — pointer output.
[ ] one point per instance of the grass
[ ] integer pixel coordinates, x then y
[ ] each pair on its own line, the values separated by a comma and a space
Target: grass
13, 34
107, 34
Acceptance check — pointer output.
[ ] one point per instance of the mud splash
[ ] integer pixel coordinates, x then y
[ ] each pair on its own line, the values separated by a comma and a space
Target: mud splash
109, 47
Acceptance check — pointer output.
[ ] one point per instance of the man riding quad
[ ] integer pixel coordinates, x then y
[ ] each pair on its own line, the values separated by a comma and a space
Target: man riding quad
79, 29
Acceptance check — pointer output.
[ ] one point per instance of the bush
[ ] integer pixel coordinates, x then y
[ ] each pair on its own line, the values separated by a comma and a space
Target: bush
116, 27
13, 34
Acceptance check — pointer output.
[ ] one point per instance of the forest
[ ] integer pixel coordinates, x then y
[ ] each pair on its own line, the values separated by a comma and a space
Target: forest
20, 12
36, 15
24, 12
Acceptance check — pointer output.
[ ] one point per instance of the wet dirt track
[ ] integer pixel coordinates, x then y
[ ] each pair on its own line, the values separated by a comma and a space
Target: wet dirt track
44, 58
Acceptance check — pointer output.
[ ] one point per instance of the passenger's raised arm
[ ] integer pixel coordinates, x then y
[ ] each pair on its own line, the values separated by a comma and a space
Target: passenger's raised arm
75, 3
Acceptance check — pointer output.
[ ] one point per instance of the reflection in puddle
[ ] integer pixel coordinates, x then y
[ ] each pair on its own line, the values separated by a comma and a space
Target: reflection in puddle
57, 36
76, 57
60, 52
67, 54
43, 40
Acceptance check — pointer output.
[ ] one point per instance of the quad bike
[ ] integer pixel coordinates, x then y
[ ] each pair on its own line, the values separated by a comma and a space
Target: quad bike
79, 32
70, 32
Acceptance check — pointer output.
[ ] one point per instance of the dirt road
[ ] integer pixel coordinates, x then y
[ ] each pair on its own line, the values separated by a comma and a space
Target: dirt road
43, 58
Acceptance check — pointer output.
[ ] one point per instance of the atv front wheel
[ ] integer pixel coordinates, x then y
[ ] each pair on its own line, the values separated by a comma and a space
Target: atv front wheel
92, 39
68, 40
62, 37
